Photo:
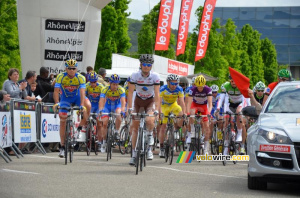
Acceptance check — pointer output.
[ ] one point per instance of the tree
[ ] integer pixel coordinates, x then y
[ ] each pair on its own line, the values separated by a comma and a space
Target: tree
107, 43
269, 57
9, 48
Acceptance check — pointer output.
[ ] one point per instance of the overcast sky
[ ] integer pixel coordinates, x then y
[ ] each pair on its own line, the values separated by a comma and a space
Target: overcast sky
138, 8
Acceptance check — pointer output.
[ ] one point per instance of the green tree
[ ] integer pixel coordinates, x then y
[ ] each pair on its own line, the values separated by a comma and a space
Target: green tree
107, 43
269, 57
9, 47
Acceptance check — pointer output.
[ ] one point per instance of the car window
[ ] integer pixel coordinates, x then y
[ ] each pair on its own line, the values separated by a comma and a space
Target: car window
286, 99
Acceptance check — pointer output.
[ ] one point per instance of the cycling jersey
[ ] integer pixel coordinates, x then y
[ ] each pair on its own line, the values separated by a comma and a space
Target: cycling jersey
259, 99
215, 100
93, 94
200, 97
270, 88
234, 95
112, 97
169, 97
70, 86
145, 85
186, 93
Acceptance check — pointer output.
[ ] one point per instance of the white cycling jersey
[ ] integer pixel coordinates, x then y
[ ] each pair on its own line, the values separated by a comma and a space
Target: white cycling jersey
145, 85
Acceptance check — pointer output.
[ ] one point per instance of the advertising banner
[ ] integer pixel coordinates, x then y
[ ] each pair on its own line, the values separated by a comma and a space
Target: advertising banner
205, 25
24, 122
5, 131
63, 40
164, 25
178, 68
49, 125
183, 29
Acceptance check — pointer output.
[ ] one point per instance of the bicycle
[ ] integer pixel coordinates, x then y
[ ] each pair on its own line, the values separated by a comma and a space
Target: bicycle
197, 143
217, 139
91, 134
70, 135
180, 143
125, 138
110, 141
141, 145
233, 146
170, 142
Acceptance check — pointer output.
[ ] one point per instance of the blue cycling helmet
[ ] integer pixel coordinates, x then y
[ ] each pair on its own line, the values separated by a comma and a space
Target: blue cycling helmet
114, 78
93, 77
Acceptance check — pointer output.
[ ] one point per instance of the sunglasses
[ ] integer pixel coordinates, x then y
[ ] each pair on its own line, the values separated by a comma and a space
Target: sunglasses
72, 68
259, 90
214, 92
284, 79
172, 83
147, 64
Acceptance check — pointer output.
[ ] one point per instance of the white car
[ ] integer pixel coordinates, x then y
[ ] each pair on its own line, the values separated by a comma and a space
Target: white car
273, 142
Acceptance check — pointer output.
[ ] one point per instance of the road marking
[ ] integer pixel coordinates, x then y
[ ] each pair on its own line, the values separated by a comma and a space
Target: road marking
16, 171
193, 172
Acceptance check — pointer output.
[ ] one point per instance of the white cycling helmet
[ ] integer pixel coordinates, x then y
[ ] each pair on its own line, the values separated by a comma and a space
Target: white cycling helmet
214, 88
171, 77
260, 86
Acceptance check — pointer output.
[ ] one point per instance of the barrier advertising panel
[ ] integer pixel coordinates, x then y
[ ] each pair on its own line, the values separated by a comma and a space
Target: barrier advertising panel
5, 131
49, 125
24, 122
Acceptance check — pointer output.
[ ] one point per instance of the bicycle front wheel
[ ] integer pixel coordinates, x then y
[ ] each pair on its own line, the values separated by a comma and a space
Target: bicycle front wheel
108, 142
171, 147
88, 139
124, 140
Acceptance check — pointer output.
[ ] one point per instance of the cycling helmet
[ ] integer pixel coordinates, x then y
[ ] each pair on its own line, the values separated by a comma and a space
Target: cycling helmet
223, 88
193, 80
92, 76
284, 73
214, 88
171, 77
114, 78
128, 79
183, 80
260, 86
147, 58
71, 63
200, 81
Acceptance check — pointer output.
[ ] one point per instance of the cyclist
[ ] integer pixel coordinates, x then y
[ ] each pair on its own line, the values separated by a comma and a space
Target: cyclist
168, 96
147, 85
112, 99
200, 99
72, 86
283, 75
215, 98
259, 92
93, 91
189, 127
235, 100
183, 82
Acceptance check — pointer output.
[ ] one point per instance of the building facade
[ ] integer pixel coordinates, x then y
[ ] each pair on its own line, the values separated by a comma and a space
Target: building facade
279, 24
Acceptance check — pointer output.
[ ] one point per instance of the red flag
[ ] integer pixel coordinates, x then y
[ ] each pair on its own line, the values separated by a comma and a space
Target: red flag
205, 25
183, 27
164, 25
241, 81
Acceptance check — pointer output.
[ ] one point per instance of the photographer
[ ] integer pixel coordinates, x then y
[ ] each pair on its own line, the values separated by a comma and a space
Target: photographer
44, 87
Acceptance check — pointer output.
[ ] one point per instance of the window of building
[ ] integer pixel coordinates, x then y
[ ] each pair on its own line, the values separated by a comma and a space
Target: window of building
247, 15
295, 23
295, 32
231, 15
280, 31
264, 15
281, 15
264, 23
281, 23
294, 40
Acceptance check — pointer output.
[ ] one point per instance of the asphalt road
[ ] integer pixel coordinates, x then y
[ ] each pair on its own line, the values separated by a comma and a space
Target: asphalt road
38, 175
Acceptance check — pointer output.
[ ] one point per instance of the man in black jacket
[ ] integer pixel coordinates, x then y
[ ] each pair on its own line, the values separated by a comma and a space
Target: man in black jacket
44, 87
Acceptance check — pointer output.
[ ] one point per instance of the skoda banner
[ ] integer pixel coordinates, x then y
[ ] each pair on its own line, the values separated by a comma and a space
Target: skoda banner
24, 122
63, 40
49, 125
5, 131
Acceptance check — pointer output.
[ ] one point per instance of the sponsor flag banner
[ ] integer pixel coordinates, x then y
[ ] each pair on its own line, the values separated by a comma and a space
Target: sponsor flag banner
5, 131
241, 81
204, 29
183, 29
49, 125
178, 68
24, 122
63, 41
164, 25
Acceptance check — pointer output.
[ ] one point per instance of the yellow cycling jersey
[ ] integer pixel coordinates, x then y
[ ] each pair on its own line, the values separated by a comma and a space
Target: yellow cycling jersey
169, 97
112, 96
70, 86
93, 94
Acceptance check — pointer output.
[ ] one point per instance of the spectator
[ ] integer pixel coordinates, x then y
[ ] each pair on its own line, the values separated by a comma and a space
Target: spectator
12, 87
89, 69
4, 97
51, 78
102, 74
44, 88
29, 78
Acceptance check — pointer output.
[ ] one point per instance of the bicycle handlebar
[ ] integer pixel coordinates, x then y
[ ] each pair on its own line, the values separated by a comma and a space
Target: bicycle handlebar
68, 109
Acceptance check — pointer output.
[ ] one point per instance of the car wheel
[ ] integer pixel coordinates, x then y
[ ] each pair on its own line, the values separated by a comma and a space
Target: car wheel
254, 183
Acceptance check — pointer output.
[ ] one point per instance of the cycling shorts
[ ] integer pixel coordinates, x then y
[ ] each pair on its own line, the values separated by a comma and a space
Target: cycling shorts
68, 102
202, 108
213, 112
112, 107
166, 109
95, 107
140, 105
